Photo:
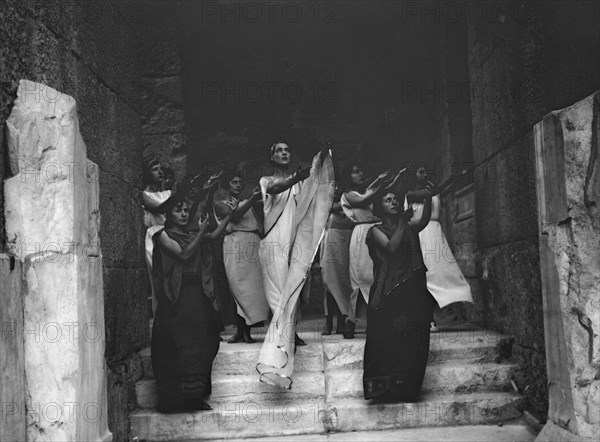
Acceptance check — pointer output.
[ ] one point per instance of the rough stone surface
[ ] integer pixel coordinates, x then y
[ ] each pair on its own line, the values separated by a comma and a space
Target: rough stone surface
567, 151
52, 224
88, 50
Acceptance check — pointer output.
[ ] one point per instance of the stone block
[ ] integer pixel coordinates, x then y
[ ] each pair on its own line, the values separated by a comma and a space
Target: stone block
52, 221
568, 188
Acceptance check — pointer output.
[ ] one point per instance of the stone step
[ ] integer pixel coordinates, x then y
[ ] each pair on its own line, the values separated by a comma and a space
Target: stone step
232, 389
245, 420
464, 346
430, 411
440, 378
241, 359
511, 432
334, 352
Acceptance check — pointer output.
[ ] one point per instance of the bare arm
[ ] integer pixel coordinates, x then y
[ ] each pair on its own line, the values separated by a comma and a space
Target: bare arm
174, 249
420, 224
279, 186
363, 199
389, 245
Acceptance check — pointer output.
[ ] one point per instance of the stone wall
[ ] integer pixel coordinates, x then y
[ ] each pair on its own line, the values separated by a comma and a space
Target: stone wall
87, 50
535, 57
161, 110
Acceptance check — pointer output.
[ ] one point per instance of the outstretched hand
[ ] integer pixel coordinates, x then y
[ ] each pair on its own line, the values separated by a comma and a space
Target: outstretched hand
213, 181
432, 188
325, 147
395, 179
302, 173
203, 223
256, 193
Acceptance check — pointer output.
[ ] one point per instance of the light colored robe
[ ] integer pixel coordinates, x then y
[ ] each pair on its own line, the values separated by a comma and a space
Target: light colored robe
154, 222
445, 281
361, 265
241, 247
295, 222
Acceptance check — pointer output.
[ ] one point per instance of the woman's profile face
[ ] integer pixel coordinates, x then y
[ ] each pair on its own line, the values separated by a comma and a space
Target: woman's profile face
357, 176
421, 175
179, 215
236, 185
281, 154
389, 204
157, 174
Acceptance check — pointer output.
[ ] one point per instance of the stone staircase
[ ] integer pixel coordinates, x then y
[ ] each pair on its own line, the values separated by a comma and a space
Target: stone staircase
465, 384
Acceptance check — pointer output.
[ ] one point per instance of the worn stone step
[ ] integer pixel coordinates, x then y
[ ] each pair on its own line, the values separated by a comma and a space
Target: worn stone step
464, 346
241, 359
334, 352
438, 378
246, 420
431, 411
512, 432
232, 389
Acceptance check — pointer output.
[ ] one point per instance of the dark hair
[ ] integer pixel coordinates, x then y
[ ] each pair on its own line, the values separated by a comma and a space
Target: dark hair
274, 145
378, 206
168, 221
229, 175
147, 170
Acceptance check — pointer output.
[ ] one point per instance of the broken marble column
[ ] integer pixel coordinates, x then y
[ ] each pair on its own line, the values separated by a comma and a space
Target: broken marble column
568, 190
52, 221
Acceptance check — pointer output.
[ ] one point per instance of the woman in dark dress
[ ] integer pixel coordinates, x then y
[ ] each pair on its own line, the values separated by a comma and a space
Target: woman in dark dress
185, 334
400, 307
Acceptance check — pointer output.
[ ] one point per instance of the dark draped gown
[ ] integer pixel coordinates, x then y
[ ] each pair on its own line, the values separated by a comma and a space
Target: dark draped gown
399, 315
185, 333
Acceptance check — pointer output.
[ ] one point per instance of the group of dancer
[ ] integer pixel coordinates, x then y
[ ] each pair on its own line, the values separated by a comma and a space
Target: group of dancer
370, 255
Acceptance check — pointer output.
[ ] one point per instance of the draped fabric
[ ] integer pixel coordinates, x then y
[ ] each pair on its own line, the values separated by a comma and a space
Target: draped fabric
361, 264
335, 263
185, 333
295, 221
399, 315
445, 280
241, 247
154, 222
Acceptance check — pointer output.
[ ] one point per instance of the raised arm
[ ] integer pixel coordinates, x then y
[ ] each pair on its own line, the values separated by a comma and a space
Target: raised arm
279, 186
222, 225
388, 245
174, 249
363, 199
420, 224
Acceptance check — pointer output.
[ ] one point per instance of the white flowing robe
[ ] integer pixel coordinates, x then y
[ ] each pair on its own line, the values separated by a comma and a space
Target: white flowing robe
154, 222
294, 224
361, 264
445, 281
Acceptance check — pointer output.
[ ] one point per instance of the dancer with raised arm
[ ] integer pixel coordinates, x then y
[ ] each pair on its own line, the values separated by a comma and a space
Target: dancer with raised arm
185, 334
400, 307
357, 205
445, 280
296, 207
240, 251
153, 196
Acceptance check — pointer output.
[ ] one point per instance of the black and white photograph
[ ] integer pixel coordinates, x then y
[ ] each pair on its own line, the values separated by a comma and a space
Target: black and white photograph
299, 220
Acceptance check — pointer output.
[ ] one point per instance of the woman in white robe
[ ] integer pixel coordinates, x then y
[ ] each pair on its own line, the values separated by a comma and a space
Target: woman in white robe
152, 197
240, 254
445, 280
296, 207
357, 205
